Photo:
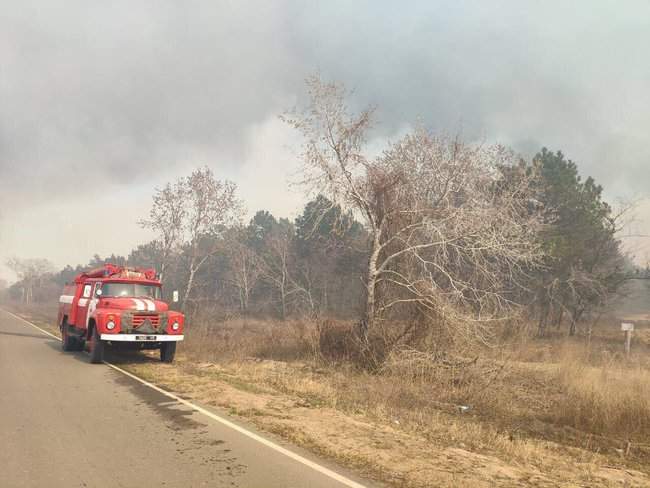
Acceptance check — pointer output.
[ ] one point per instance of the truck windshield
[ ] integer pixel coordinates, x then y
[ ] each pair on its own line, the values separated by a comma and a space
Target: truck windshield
130, 290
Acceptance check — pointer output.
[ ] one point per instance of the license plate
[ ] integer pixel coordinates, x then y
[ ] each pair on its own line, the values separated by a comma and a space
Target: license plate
145, 338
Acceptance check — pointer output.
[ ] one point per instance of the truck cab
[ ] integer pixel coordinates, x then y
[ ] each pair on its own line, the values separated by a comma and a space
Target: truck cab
119, 307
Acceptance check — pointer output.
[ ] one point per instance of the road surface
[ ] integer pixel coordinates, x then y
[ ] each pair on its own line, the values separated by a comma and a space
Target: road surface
67, 423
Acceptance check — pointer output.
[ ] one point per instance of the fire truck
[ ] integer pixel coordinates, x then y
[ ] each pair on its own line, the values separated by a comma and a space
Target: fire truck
120, 307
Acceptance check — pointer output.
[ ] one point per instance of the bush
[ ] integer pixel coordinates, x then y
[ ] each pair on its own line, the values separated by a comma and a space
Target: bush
337, 341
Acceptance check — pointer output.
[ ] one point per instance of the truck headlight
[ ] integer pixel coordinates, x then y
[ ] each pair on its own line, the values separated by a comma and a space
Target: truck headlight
110, 325
175, 326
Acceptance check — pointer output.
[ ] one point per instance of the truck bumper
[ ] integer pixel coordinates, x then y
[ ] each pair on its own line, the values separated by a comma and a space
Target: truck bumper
141, 337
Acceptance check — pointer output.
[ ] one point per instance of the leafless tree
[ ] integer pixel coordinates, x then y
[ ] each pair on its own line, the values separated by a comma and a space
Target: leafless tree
191, 214
276, 265
211, 204
449, 232
303, 281
166, 218
31, 273
245, 267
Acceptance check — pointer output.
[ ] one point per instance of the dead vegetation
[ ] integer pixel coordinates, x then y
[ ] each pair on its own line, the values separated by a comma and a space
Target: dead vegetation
517, 402
552, 412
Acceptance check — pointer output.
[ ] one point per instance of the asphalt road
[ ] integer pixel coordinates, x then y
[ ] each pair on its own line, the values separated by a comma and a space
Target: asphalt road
67, 423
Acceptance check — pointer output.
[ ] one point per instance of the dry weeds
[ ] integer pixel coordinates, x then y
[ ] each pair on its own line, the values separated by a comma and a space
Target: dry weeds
543, 413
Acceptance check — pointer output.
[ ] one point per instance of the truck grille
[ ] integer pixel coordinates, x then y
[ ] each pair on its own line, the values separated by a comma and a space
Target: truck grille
140, 318
143, 322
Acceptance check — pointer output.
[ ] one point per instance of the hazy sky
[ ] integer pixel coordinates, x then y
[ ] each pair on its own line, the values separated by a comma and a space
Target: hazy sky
102, 101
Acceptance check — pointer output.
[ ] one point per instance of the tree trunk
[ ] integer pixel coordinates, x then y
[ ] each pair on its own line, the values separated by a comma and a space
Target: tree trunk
245, 301
188, 289
283, 286
558, 320
283, 297
369, 318
543, 318
575, 317
244, 295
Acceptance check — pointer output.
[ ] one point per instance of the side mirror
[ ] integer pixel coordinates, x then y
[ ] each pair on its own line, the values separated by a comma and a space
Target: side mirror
175, 296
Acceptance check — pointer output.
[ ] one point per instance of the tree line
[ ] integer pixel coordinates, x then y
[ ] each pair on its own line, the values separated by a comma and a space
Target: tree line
432, 239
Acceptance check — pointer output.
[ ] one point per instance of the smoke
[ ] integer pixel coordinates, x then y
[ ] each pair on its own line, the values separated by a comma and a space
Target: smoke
101, 101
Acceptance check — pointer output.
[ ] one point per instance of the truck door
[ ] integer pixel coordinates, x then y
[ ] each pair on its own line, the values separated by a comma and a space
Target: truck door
83, 304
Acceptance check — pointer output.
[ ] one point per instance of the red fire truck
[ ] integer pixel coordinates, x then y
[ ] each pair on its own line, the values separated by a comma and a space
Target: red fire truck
120, 307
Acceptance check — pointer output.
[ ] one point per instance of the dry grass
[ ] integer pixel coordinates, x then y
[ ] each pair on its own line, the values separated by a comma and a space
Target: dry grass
560, 391
536, 413
609, 400
239, 338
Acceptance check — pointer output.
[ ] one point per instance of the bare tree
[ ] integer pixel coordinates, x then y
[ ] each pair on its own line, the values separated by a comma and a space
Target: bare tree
245, 267
31, 273
211, 204
191, 214
303, 281
449, 233
166, 218
277, 262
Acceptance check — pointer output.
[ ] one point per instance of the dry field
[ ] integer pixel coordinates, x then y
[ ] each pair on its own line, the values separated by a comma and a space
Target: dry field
556, 412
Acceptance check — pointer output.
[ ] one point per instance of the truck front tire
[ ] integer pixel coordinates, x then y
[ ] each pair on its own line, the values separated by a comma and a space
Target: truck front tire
167, 352
96, 348
68, 341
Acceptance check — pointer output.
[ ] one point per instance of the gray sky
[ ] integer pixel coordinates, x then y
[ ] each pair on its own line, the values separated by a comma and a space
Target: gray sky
102, 101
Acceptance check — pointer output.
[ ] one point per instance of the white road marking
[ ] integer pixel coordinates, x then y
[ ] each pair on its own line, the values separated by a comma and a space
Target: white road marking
272, 445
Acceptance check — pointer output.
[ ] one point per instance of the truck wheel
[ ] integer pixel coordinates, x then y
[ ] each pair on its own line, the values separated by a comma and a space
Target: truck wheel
167, 352
96, 348
68, 342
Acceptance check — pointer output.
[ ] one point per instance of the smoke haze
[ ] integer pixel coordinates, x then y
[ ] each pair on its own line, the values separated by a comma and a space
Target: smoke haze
102, 101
